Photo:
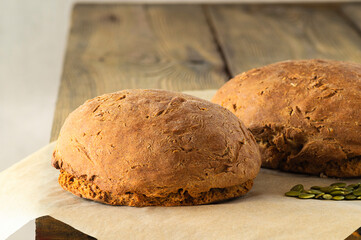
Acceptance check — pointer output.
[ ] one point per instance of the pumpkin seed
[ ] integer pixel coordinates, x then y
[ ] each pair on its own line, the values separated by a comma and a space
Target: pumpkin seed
327, 196
334, 193
339, 184
319, 195
347, 192
338, 197
314, 191
306, 195
326, 189
350, 197
298, 188
354, 185
292, 193
357, 192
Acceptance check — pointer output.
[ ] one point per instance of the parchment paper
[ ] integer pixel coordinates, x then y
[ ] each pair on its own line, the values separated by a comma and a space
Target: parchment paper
29, 189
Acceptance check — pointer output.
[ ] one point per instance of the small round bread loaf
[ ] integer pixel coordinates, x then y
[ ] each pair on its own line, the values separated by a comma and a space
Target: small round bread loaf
155, 148
305, 115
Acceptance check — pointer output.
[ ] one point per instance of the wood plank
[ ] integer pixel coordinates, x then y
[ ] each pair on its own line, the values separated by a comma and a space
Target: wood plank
50, 228
352, 12
256, 35
114, 47
252, 36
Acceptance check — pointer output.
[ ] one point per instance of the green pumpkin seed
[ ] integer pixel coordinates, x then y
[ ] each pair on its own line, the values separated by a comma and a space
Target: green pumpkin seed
350, 197
339, 184
314, 191
357, 192
292, 193
298, 188
334, 193
327, 196
338, 197
354, 185
306, 195
347, 192
326, 189
319, 195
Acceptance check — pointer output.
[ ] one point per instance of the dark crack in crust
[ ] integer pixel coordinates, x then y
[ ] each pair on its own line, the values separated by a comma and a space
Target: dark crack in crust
303, 114
280, 151
84, 188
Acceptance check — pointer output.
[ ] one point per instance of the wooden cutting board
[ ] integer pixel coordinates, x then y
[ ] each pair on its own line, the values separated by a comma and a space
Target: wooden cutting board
189, 47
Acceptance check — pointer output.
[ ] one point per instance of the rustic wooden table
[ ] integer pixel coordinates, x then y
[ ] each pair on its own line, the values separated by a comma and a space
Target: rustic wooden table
189, 47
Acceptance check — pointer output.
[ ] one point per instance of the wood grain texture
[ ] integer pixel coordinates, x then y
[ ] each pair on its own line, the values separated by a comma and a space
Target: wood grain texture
256, 35
114, 47
49, 228
355, 235
352, 12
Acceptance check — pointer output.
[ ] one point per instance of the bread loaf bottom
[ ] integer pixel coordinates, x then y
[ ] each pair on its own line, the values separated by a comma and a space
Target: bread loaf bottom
84, 188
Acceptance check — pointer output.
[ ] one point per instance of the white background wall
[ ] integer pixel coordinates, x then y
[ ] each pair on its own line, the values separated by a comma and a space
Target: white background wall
32, 42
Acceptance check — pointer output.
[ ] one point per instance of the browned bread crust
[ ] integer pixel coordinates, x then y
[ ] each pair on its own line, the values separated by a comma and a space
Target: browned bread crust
82, 187
304, 114
155, 147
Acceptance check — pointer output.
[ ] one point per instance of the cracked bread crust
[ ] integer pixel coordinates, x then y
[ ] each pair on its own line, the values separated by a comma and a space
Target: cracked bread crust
88, 189
153, 143
305, 115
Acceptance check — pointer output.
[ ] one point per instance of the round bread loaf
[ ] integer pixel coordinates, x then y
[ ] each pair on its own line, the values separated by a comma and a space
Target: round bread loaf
305, 115
155, 148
